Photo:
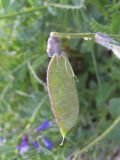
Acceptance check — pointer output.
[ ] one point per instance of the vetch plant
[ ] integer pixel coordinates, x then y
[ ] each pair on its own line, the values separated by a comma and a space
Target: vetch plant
45, 125
48, 143
24, 101
61, 84
61, 87
37, 145
24, 146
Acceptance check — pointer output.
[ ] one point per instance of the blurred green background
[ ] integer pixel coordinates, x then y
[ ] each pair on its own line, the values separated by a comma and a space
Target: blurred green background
25, 26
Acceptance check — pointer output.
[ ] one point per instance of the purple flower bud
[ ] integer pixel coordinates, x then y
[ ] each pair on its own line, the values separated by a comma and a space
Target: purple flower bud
45, 125
24, 146
108, 42
54, 46
48, 143
37, 145
104, 40
2, 141
25, 139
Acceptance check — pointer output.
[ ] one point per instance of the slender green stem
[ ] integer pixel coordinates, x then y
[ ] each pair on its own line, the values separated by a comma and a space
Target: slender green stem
22, 64
73, 35
44, 6
64, 6
96, 69
36, 77
99, 139
5, 90
86, 36
24, 94
23, 12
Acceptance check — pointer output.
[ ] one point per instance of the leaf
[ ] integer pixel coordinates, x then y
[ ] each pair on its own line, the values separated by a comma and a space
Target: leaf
5, 3
63, 93
6, 149
114, 107
115, 71
115, 135
103, 94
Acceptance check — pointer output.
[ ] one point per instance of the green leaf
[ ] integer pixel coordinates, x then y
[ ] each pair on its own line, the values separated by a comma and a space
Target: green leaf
114, 107
103, 94
5, 3
63, 93
7, 149
115, 71
115, 135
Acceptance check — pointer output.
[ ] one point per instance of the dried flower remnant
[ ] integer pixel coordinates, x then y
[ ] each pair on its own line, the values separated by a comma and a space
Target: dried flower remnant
45, 125
87, 38
48, 143
37, 145
24, 146
54, 46
108, 42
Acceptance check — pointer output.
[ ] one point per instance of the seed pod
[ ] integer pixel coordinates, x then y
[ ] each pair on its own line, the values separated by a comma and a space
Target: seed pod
63, 93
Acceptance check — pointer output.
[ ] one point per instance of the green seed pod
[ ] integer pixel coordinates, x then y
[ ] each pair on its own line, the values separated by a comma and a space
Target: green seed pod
63, 93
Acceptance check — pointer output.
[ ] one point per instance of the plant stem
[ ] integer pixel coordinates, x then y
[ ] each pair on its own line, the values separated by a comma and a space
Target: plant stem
86, 36
99, 139
23, 12
36, 77
64, 6
73, 35
44, 6
96, 69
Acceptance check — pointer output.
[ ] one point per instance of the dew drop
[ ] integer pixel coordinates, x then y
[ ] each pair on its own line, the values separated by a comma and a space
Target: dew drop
87, 38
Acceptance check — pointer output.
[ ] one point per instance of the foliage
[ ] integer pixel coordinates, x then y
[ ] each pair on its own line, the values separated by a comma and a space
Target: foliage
24, 102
